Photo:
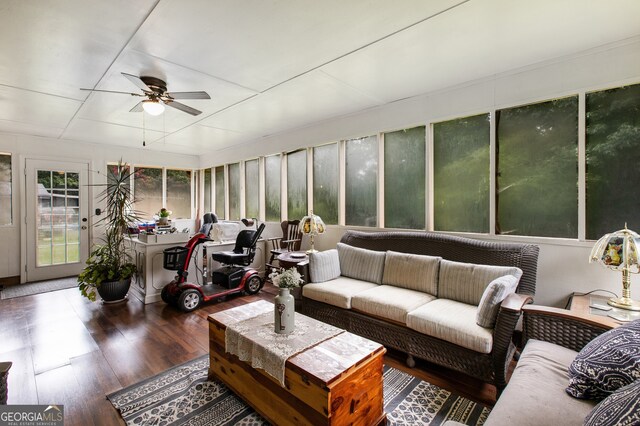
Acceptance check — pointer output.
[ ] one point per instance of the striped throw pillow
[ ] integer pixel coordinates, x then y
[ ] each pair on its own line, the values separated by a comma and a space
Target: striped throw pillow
324, 266
492, 297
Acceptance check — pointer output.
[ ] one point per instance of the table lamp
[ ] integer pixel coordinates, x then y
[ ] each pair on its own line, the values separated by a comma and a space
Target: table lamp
619, 251
312, 225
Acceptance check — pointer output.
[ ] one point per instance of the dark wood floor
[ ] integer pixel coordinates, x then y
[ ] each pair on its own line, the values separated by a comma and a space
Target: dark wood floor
66, 350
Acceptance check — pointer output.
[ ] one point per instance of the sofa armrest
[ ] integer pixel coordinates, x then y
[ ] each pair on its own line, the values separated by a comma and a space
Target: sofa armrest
562, 327
503, 347
514, 302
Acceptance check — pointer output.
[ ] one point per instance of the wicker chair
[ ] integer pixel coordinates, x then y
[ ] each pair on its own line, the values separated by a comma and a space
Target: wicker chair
491, 367
4, 373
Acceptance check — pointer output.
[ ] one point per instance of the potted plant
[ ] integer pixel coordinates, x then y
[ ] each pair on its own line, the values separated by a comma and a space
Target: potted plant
163, 216
109, 267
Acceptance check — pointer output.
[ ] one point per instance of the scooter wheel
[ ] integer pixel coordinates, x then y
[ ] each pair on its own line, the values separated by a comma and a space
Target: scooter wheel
253, 285
166, 297
189, 300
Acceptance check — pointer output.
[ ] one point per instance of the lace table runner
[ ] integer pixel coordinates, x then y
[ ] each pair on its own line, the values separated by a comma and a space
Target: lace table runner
253, 340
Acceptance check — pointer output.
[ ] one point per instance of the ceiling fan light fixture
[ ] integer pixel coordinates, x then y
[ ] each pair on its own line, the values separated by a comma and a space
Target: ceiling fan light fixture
153, 107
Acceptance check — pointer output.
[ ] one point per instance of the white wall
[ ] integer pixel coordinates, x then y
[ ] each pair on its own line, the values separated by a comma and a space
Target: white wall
22, 147
563, 266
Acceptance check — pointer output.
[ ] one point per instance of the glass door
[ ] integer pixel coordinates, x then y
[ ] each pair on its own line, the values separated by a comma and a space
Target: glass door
57, 225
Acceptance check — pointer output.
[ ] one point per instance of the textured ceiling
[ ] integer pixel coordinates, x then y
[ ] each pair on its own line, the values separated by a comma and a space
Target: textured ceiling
269, 65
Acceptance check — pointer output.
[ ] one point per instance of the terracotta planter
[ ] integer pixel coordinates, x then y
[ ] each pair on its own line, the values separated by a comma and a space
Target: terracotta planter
114, 291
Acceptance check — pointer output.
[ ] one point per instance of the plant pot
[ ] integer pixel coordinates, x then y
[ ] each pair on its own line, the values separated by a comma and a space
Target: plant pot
163, 221
114, 291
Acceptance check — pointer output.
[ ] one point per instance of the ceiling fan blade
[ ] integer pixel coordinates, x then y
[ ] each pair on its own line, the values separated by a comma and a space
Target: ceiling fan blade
137, 81
182, 107
112, 91
189, 95
137, 107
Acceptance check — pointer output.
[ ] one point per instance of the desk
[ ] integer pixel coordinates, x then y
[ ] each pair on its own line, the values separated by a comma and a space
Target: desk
580, 304
151, 277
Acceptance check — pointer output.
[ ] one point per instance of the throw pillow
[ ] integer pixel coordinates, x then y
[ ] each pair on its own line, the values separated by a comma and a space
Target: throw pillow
621, 408
361, 264
466, 282
492, 297
324, 266
607, 363
412, 271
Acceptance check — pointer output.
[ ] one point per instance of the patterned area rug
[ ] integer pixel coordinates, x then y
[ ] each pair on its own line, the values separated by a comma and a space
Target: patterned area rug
20, 290
182, 395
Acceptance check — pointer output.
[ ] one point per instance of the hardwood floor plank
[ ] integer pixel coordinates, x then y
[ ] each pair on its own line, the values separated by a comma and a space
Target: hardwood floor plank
68, 350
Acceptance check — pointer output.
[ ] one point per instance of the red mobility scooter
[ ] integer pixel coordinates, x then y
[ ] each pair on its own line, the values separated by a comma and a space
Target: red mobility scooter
235, 276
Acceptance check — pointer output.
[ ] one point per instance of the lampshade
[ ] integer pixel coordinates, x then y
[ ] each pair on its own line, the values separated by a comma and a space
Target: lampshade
312, 225
153, 107
618, 251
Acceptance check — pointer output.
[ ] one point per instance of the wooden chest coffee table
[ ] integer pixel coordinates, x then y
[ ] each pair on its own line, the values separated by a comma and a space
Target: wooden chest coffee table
337, 382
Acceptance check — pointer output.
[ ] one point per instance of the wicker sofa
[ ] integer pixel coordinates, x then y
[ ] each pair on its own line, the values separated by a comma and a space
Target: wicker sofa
536, 392
489, 365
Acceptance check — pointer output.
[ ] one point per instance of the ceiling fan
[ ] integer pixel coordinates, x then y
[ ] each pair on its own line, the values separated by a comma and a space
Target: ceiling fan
155, 90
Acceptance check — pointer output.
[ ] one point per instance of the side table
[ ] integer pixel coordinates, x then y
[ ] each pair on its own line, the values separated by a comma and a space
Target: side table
298, 260
581, 304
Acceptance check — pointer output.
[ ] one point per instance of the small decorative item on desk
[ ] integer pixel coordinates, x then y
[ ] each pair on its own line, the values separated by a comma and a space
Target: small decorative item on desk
284, 309
163, 216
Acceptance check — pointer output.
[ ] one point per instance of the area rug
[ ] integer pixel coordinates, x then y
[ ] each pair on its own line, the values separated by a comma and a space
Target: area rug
20, 290
182, 395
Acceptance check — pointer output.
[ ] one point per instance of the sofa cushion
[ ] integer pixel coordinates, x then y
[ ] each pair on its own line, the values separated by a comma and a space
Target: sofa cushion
324, 266
465, 282
607, 363
336, 292
412, 271
535, 393
492, 297
361, 264
452, 321
620, 408
389, 302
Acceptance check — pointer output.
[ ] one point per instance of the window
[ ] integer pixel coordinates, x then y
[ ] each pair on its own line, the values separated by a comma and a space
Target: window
252, 188
5, 189
272, 188
297, 184
404, 178
613, 155
461, 174
148, 190
361, 181
234, 191
325, 182
220, 206
207, 191
58, 220
179, 193
537, 173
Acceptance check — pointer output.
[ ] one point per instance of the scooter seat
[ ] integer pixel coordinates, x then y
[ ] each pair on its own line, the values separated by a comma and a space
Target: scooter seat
231, 258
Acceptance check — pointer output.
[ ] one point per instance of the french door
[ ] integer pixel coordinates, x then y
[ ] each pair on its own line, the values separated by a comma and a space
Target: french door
57, 234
